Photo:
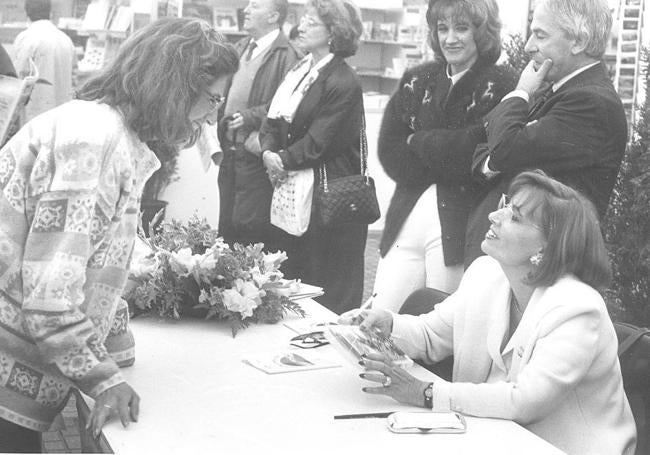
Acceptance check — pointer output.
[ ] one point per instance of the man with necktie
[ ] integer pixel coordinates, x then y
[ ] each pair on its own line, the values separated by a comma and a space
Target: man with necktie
245, 191
564, 116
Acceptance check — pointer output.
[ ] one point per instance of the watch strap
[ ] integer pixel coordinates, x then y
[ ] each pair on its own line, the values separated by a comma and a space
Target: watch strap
428, 396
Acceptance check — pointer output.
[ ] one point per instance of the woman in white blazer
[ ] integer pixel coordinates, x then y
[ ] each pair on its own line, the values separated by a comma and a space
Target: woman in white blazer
531, 337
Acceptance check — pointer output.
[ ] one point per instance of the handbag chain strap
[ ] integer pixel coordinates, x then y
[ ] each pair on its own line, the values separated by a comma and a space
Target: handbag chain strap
363, 156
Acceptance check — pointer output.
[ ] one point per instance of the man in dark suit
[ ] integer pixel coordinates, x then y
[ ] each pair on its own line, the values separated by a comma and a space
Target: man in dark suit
245, 191
574, 129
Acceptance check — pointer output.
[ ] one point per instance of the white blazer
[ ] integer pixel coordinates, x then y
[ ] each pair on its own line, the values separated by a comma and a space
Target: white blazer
564, 383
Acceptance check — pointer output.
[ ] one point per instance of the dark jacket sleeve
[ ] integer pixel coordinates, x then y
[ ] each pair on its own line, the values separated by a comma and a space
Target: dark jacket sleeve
574, 133
342, 97
401, 167
270, 134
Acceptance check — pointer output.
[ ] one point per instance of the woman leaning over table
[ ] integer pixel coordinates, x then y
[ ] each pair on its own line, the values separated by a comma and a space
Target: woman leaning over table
429, 131
531, 337
314, 120
71, 180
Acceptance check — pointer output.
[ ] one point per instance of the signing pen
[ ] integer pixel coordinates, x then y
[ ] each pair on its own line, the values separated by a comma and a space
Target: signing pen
368, 303
363, 416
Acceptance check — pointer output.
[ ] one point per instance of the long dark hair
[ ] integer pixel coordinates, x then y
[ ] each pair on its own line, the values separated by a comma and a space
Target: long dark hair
159, 73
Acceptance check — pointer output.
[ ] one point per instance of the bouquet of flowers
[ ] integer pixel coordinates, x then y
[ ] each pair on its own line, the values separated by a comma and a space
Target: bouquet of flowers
190, 270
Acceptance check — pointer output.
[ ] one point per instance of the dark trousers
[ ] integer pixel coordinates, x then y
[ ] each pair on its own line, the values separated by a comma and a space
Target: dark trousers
17, 439
332, 258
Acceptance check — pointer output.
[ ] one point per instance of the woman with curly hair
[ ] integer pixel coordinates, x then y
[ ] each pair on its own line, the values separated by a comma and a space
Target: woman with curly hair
315, 120
430, 129
71, 180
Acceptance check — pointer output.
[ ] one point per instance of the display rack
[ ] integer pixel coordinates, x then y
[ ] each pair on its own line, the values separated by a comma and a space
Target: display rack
630, 27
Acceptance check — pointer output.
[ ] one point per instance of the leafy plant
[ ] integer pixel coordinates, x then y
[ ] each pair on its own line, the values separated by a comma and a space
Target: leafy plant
514, 47
627, 224
191, 271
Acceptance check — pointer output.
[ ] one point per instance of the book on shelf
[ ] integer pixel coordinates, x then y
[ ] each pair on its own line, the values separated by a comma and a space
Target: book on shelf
367, 30
225, 19
291, 361
352, 339
199, 8
14, 94
94, 55
384, 31
96, 17
122, 19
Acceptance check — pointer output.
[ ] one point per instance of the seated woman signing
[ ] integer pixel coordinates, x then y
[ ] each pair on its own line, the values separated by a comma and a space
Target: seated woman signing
530, 335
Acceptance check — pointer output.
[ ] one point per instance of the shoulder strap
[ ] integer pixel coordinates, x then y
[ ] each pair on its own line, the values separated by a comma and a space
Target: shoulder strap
363, 154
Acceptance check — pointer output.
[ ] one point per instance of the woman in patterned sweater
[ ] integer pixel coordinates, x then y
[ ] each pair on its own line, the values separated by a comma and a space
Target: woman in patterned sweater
430, 129
71, 181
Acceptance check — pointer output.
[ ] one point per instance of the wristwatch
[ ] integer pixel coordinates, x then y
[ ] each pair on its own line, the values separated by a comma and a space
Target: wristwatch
428, 396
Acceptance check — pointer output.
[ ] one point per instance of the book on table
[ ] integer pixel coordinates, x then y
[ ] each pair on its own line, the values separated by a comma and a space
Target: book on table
291, 361
354, 340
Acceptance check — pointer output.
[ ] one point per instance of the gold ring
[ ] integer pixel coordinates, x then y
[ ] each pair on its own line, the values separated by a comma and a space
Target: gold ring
107, 406
387, 381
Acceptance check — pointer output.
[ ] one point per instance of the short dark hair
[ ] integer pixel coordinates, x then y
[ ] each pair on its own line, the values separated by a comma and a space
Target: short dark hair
159, 73
483, 14
343, 20
38, 9
570, 225
282, 8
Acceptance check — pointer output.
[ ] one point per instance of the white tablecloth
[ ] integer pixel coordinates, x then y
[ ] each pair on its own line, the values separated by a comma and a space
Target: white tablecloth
198, 396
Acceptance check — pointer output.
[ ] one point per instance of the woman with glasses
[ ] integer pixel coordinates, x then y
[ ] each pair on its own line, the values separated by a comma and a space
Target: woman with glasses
71, 180
428, 135
315, 120
530, 334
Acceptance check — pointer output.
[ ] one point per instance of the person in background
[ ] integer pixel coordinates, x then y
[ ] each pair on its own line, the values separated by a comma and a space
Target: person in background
315, 120
245, 191
530, 334
575, 129
71, 180
429, 131
53, 54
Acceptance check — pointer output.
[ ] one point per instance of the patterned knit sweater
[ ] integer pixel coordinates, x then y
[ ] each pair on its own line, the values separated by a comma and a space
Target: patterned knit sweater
70, 184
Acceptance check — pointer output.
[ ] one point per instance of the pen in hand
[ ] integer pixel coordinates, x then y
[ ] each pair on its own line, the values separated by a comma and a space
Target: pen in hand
368, 303
357, 319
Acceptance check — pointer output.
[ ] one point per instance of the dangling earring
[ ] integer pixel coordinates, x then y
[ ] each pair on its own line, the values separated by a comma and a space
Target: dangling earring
329, 41
536, 259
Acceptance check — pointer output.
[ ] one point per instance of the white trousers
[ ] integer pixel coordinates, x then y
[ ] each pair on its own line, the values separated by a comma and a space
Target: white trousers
415, 260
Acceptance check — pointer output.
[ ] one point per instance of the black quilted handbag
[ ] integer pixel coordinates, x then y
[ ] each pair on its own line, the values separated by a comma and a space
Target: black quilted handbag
349, 199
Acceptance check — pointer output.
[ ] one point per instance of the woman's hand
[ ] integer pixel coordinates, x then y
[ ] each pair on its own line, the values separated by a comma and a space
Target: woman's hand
274, 167
370, 320
394, 380
120, 399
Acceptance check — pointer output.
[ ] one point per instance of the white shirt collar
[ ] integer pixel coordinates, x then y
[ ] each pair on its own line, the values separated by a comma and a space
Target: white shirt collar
265, 42
456, 77
565, 79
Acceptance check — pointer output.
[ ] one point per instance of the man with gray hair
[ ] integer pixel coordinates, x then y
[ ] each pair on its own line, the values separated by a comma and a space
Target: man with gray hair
245, 190
564, 116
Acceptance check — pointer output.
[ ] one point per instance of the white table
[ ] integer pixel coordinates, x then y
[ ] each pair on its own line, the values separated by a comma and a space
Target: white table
197, 396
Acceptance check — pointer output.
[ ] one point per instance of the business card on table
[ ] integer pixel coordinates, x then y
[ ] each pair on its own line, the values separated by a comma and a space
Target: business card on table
291, 361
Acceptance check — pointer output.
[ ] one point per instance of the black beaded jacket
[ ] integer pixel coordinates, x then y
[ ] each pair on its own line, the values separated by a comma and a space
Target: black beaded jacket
447, 126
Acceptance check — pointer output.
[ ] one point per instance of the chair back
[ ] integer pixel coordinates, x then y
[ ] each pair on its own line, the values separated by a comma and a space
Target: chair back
634, 356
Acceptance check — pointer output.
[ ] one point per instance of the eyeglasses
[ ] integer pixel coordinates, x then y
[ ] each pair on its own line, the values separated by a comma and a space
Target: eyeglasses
512, 211
311, 21
215, 100
309, 340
